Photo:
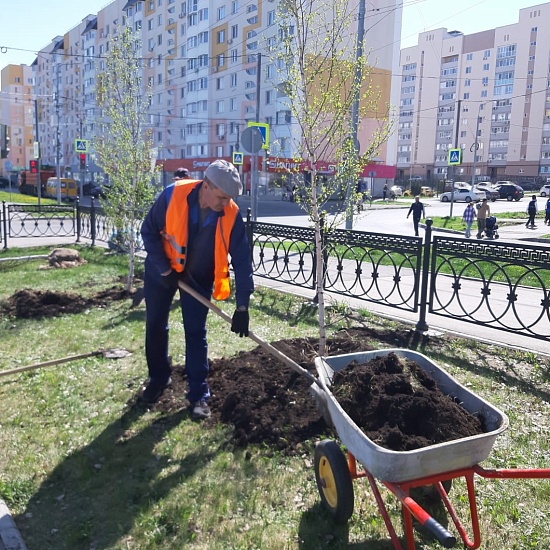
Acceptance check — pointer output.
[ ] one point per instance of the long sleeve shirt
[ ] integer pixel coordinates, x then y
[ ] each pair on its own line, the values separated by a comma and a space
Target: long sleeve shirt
200, 247
417, 209
469, 214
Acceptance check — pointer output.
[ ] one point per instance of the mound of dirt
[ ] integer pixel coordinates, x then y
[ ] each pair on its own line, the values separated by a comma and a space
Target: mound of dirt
269, 404
36, 304
399, 406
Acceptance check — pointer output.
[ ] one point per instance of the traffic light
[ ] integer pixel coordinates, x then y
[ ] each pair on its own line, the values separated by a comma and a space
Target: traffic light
33, 165
82, 157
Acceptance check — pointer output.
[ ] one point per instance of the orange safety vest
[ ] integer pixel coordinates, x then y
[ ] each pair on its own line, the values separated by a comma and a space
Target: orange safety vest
175, 235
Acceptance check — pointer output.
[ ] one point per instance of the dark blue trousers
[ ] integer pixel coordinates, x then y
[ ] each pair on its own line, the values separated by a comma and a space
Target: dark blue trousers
158, 300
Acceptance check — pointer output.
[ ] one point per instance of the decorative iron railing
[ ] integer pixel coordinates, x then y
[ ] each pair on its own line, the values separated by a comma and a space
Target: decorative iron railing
501, 285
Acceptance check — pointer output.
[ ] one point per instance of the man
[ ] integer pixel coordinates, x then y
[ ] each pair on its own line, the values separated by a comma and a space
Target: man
532, 209
181, 174
188, 234
417, 209
483, 212
468, 218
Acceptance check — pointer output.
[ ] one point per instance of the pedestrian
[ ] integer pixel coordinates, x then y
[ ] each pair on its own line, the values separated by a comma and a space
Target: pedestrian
385, 191
181, 174
468, 218
532, 210
547, 216
417, 209
483, 212
188, 234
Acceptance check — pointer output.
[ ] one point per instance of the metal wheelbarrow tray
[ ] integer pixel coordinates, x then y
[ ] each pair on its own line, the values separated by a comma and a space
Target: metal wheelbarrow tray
399, 466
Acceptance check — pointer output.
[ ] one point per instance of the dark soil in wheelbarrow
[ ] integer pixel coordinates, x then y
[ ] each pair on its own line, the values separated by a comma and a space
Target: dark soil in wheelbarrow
270, 405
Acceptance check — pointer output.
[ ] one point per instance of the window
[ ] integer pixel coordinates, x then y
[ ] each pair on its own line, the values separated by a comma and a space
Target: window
234, 6
203, 14
469, 56
221, 13
233, 80
269, 97
270, 18
468, 70
485, 66
220, 106
221, 36
220, 83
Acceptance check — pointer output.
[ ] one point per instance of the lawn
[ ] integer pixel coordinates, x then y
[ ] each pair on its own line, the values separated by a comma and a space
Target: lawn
82, 468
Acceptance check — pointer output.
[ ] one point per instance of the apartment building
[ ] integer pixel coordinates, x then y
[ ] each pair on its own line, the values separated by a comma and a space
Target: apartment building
209, 69
16, 116
485, 93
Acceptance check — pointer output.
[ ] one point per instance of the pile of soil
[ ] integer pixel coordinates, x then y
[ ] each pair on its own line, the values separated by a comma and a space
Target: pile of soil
399, 406
36, 304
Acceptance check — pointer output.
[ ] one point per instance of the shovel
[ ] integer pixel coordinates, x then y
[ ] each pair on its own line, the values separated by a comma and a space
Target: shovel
108, 353
268, 347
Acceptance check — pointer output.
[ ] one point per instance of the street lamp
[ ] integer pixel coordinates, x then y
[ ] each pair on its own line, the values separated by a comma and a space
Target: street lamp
476, 146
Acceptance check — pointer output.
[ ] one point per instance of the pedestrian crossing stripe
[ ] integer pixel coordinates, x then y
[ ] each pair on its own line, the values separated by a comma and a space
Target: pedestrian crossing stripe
455, 156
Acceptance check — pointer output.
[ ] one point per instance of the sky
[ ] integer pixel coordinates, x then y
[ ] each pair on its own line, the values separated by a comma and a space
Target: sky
29, 25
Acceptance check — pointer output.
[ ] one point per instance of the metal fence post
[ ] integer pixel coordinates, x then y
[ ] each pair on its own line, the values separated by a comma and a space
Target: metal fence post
78, 220
5, 225
421, 325
92, 222
250, 232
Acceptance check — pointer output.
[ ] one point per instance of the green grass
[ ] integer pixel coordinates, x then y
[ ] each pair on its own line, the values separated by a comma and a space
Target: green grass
81, 469
23, 199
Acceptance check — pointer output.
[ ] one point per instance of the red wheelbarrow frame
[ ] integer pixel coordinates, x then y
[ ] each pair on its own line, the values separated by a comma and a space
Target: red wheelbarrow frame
412, 509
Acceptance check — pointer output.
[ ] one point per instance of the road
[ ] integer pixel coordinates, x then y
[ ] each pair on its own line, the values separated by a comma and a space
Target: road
392, 217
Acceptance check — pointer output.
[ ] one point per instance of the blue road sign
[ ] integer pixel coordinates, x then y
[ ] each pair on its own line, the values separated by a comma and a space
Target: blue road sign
455, 156
81, 145
237, 158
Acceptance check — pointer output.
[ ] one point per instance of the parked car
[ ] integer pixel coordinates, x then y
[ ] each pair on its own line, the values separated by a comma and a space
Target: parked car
509, 191
462, 195
92, 190
4, 182
490, 192
528, 185
416, 178
396, 190
545, 190
426, 191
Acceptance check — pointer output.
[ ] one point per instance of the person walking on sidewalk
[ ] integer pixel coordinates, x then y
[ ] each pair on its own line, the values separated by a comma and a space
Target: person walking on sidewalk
468, 218
483, 212
417, 209
547, 212
188, 234
532, 210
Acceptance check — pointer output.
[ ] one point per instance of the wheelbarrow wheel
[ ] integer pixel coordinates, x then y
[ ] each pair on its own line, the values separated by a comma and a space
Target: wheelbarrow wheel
334, 480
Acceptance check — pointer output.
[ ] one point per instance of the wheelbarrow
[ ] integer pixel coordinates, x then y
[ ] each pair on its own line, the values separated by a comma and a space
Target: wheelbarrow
399, 471
434, 466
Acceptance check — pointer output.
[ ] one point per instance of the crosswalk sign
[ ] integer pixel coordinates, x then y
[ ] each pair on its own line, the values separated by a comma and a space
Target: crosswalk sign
81, 145
237, 157
455, 157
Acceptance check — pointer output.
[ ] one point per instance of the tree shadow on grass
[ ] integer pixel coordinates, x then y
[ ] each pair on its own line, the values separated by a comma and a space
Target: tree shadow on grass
93, 497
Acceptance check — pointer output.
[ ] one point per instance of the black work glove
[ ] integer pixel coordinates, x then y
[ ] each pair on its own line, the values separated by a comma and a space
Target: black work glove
239, 323
171, 280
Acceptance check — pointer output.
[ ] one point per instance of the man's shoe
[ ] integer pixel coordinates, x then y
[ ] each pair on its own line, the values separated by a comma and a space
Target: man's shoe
151, 394
200, 409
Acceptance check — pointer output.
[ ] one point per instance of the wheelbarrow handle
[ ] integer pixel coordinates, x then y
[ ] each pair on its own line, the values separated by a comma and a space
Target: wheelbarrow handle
267, 346
447, 539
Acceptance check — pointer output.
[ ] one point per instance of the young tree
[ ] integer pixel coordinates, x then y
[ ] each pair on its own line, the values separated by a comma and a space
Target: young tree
330, 88
123, 144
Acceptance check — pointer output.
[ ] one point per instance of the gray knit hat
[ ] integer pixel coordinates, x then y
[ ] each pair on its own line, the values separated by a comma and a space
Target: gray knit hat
225, 177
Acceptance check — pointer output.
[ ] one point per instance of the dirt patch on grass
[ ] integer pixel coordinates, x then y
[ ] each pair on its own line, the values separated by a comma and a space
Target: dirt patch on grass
36, 304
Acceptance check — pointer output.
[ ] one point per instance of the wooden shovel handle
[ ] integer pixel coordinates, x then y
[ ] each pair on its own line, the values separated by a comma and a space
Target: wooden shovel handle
50, 363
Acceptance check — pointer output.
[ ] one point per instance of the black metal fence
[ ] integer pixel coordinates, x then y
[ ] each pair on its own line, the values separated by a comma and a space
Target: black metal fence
497, 284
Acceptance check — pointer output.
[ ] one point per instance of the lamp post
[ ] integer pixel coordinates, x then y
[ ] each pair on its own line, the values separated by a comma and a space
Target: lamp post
476, 146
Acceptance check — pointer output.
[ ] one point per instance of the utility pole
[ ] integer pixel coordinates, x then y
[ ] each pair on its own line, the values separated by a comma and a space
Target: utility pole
355, 108
476, 147
255, 172
37, 146
57, 140
456, 147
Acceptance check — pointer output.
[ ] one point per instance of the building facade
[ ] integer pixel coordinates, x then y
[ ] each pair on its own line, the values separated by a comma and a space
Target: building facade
16, 117
485, 93
209, 70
